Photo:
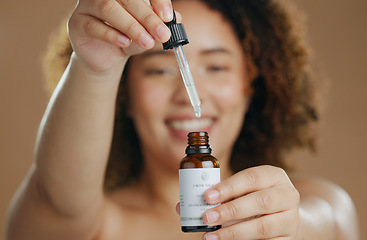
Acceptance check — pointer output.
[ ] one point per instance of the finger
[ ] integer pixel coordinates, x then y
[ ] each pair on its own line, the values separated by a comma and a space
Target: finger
178, 17
267, 201
116, 15
178, 210
163, 8
95, 28
149, 19
279, 225
244, 182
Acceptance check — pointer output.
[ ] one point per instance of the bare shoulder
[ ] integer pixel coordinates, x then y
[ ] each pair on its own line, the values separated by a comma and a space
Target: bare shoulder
333, 197
320, 187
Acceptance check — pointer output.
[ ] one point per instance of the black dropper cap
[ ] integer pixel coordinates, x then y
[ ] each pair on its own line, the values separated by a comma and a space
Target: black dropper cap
178, 34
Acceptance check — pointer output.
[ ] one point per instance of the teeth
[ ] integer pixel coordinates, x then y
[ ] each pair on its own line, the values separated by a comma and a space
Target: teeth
189, 125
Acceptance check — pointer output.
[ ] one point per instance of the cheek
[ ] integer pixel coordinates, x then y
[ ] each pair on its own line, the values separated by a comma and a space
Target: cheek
146, 99
230, 94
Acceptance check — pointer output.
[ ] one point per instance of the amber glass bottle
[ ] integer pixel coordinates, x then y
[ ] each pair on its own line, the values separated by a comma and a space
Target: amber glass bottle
199, 171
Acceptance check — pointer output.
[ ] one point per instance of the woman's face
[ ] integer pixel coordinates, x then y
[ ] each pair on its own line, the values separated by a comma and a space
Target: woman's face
159, 104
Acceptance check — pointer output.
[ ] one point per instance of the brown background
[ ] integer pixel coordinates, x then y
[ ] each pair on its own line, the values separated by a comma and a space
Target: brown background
337, 32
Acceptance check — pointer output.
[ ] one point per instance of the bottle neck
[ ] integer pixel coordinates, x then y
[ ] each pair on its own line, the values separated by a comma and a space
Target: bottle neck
198, 142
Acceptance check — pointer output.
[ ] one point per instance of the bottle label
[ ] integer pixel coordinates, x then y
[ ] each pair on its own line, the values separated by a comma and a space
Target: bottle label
193, 183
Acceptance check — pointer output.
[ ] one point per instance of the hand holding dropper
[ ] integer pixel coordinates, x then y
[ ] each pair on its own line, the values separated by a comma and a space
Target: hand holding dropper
179, 38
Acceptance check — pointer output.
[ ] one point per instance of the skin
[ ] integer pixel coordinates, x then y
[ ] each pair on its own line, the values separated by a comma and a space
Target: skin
54, 202
160, 100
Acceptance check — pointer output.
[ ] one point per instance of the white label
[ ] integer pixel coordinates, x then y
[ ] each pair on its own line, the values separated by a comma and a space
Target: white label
193, 183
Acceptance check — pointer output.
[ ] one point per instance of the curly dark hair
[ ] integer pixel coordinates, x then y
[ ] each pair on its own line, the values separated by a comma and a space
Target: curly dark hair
282, 110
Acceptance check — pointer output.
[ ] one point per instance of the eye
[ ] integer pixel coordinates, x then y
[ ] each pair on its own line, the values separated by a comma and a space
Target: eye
217, 68
150, 72
161, 71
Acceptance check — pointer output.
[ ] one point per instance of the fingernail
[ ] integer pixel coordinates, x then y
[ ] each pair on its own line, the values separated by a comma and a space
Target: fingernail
162, 32
167, 14
146, 40
211, 236
213, 195
123, 40
212, 216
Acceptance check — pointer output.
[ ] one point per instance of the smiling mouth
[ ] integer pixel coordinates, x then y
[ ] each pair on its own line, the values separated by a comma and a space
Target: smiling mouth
191, 124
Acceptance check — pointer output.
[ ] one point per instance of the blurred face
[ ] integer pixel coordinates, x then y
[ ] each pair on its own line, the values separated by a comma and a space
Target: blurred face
159, 104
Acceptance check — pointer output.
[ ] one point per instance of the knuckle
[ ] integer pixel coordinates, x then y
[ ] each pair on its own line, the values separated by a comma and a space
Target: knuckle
150, 17
132, 26
125, 2
227, 233
107, 35
252, 176
90, 26
265, 200
263, 228
274, 168
281, 171
231, 210
106, 7
228, 186
281, 174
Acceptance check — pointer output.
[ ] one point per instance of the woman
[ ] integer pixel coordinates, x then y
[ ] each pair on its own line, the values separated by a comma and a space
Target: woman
250, 72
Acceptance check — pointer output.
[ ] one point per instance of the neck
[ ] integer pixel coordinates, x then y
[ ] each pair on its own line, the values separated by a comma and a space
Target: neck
161, 184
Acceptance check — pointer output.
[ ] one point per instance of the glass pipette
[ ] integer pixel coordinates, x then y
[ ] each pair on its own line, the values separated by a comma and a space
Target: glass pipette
179, 38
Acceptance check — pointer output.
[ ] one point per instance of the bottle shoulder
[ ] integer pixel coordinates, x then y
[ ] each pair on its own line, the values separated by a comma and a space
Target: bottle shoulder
199, 160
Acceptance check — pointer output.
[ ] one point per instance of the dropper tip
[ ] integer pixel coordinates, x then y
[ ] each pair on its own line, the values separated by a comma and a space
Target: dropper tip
198, 111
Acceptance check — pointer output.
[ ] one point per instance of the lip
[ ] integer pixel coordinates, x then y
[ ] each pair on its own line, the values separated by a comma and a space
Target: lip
180, 126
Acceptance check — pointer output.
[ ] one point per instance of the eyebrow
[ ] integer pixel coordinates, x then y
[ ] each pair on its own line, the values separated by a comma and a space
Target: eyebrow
216, 50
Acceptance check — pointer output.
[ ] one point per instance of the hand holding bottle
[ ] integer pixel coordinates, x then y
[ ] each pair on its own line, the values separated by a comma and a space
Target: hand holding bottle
256, 203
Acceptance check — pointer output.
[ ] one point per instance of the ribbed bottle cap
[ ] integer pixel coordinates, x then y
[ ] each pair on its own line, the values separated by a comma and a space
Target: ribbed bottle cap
198, 150
178, 34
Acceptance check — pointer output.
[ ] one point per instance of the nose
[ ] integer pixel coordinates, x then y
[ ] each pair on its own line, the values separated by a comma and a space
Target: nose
181, 95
